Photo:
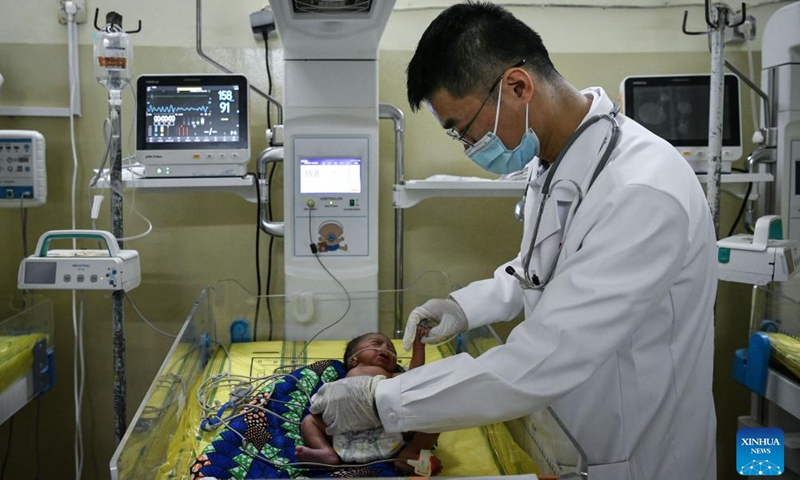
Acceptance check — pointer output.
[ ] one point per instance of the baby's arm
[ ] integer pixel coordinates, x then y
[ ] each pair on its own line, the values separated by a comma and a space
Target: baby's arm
418, 350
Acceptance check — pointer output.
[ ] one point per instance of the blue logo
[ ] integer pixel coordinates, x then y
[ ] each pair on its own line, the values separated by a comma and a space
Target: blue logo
759, 451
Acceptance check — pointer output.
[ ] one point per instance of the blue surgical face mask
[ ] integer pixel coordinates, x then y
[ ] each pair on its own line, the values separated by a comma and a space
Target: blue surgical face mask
490, 153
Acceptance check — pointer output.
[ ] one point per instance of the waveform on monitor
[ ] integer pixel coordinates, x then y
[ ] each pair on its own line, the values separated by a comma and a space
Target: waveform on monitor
178, 109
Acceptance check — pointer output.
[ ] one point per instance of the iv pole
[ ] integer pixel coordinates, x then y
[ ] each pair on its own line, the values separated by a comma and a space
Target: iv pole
718, 17
114, 61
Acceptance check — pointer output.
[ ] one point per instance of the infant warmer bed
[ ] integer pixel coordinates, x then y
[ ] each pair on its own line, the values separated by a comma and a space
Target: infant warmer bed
171, 437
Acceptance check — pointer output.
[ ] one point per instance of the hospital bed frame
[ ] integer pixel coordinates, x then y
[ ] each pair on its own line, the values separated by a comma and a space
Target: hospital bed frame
26, 354
144, 449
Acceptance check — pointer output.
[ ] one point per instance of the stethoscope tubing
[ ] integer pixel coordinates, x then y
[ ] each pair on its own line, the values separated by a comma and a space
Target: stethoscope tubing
533, 283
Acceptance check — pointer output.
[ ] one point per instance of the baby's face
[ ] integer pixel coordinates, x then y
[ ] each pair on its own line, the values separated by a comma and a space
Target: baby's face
376, 350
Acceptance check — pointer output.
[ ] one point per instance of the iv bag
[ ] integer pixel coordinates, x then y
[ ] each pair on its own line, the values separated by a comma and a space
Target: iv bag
113, 59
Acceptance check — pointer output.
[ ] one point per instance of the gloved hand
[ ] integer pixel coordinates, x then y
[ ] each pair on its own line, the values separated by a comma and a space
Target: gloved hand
445, 316
348, 404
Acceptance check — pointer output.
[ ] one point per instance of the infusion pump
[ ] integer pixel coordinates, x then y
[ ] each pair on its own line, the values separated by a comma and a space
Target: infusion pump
23, 178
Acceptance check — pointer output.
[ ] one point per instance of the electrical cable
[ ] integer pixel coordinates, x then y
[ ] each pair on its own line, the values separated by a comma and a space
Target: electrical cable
36, 436
106, 175
73, 82
242, 391
257, 183
138, 214
751, 71
78, 380
106, 155
83, 376
99, 174
139, 313
265, 36
24, 215
349, 300
270, 251
72, 86
77, 407
170, 379
8, 448
741, 209
271, 243
24, 220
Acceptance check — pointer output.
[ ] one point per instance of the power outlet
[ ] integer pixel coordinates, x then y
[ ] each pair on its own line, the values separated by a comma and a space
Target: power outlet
80, 17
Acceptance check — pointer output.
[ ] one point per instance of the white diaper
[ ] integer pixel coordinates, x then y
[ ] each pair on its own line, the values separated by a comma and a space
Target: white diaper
367, 445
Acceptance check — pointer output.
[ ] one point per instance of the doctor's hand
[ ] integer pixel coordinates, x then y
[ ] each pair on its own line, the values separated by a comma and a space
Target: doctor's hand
444, 318
348, 404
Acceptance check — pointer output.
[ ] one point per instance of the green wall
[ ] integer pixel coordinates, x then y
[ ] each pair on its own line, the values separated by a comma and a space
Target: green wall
199, 238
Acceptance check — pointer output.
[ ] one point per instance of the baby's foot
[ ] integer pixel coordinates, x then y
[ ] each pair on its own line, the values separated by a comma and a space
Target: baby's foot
317, 455
407, 453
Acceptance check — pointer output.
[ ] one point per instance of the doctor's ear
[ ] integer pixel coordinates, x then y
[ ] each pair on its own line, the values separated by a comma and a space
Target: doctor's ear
520, 83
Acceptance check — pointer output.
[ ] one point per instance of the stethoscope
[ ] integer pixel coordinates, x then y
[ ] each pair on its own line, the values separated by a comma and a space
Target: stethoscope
532, 281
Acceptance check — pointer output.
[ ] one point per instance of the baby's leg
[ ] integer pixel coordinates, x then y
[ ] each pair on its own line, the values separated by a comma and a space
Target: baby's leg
318, 447
418, 441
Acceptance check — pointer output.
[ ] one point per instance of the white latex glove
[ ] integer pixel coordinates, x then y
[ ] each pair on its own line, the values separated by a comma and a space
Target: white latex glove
348, 404
446, 316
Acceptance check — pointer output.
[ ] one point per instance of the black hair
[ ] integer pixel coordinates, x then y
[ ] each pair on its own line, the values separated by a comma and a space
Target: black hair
467, 47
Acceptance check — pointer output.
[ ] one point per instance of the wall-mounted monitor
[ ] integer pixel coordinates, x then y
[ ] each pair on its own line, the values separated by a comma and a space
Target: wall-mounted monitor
676, 108
192, 125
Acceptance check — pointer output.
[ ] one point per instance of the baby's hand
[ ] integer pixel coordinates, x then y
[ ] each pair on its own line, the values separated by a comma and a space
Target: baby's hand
421, 332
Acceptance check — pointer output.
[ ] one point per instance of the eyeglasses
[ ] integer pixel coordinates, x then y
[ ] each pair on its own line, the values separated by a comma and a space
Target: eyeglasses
454, 132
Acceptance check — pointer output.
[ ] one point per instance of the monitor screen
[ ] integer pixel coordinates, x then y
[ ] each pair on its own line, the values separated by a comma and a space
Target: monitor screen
330, 175
40, 273
676, 108
192, 112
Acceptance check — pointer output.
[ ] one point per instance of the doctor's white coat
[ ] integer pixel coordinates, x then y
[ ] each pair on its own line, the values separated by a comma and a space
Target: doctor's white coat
620, 342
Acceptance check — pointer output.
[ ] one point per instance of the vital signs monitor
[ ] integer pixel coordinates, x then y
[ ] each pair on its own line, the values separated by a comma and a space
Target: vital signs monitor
676, 108
192, 125
23, 177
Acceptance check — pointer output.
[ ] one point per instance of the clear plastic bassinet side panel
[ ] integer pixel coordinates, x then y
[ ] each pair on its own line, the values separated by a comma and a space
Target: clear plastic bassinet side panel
144, 449
541, 434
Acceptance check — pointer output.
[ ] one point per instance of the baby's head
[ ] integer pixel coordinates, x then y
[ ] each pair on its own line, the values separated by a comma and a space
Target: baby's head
372, 349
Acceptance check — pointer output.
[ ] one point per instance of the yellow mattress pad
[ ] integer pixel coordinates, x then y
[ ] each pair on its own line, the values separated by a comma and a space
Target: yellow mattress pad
16, 357
786, 350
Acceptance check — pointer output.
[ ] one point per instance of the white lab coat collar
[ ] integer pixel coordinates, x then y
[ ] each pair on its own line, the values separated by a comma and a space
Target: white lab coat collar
579, 162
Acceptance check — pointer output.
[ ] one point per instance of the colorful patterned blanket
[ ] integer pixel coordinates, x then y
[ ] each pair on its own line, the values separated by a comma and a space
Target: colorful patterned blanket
257, 445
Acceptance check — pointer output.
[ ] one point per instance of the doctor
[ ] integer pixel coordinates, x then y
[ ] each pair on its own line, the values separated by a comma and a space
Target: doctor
616, 273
